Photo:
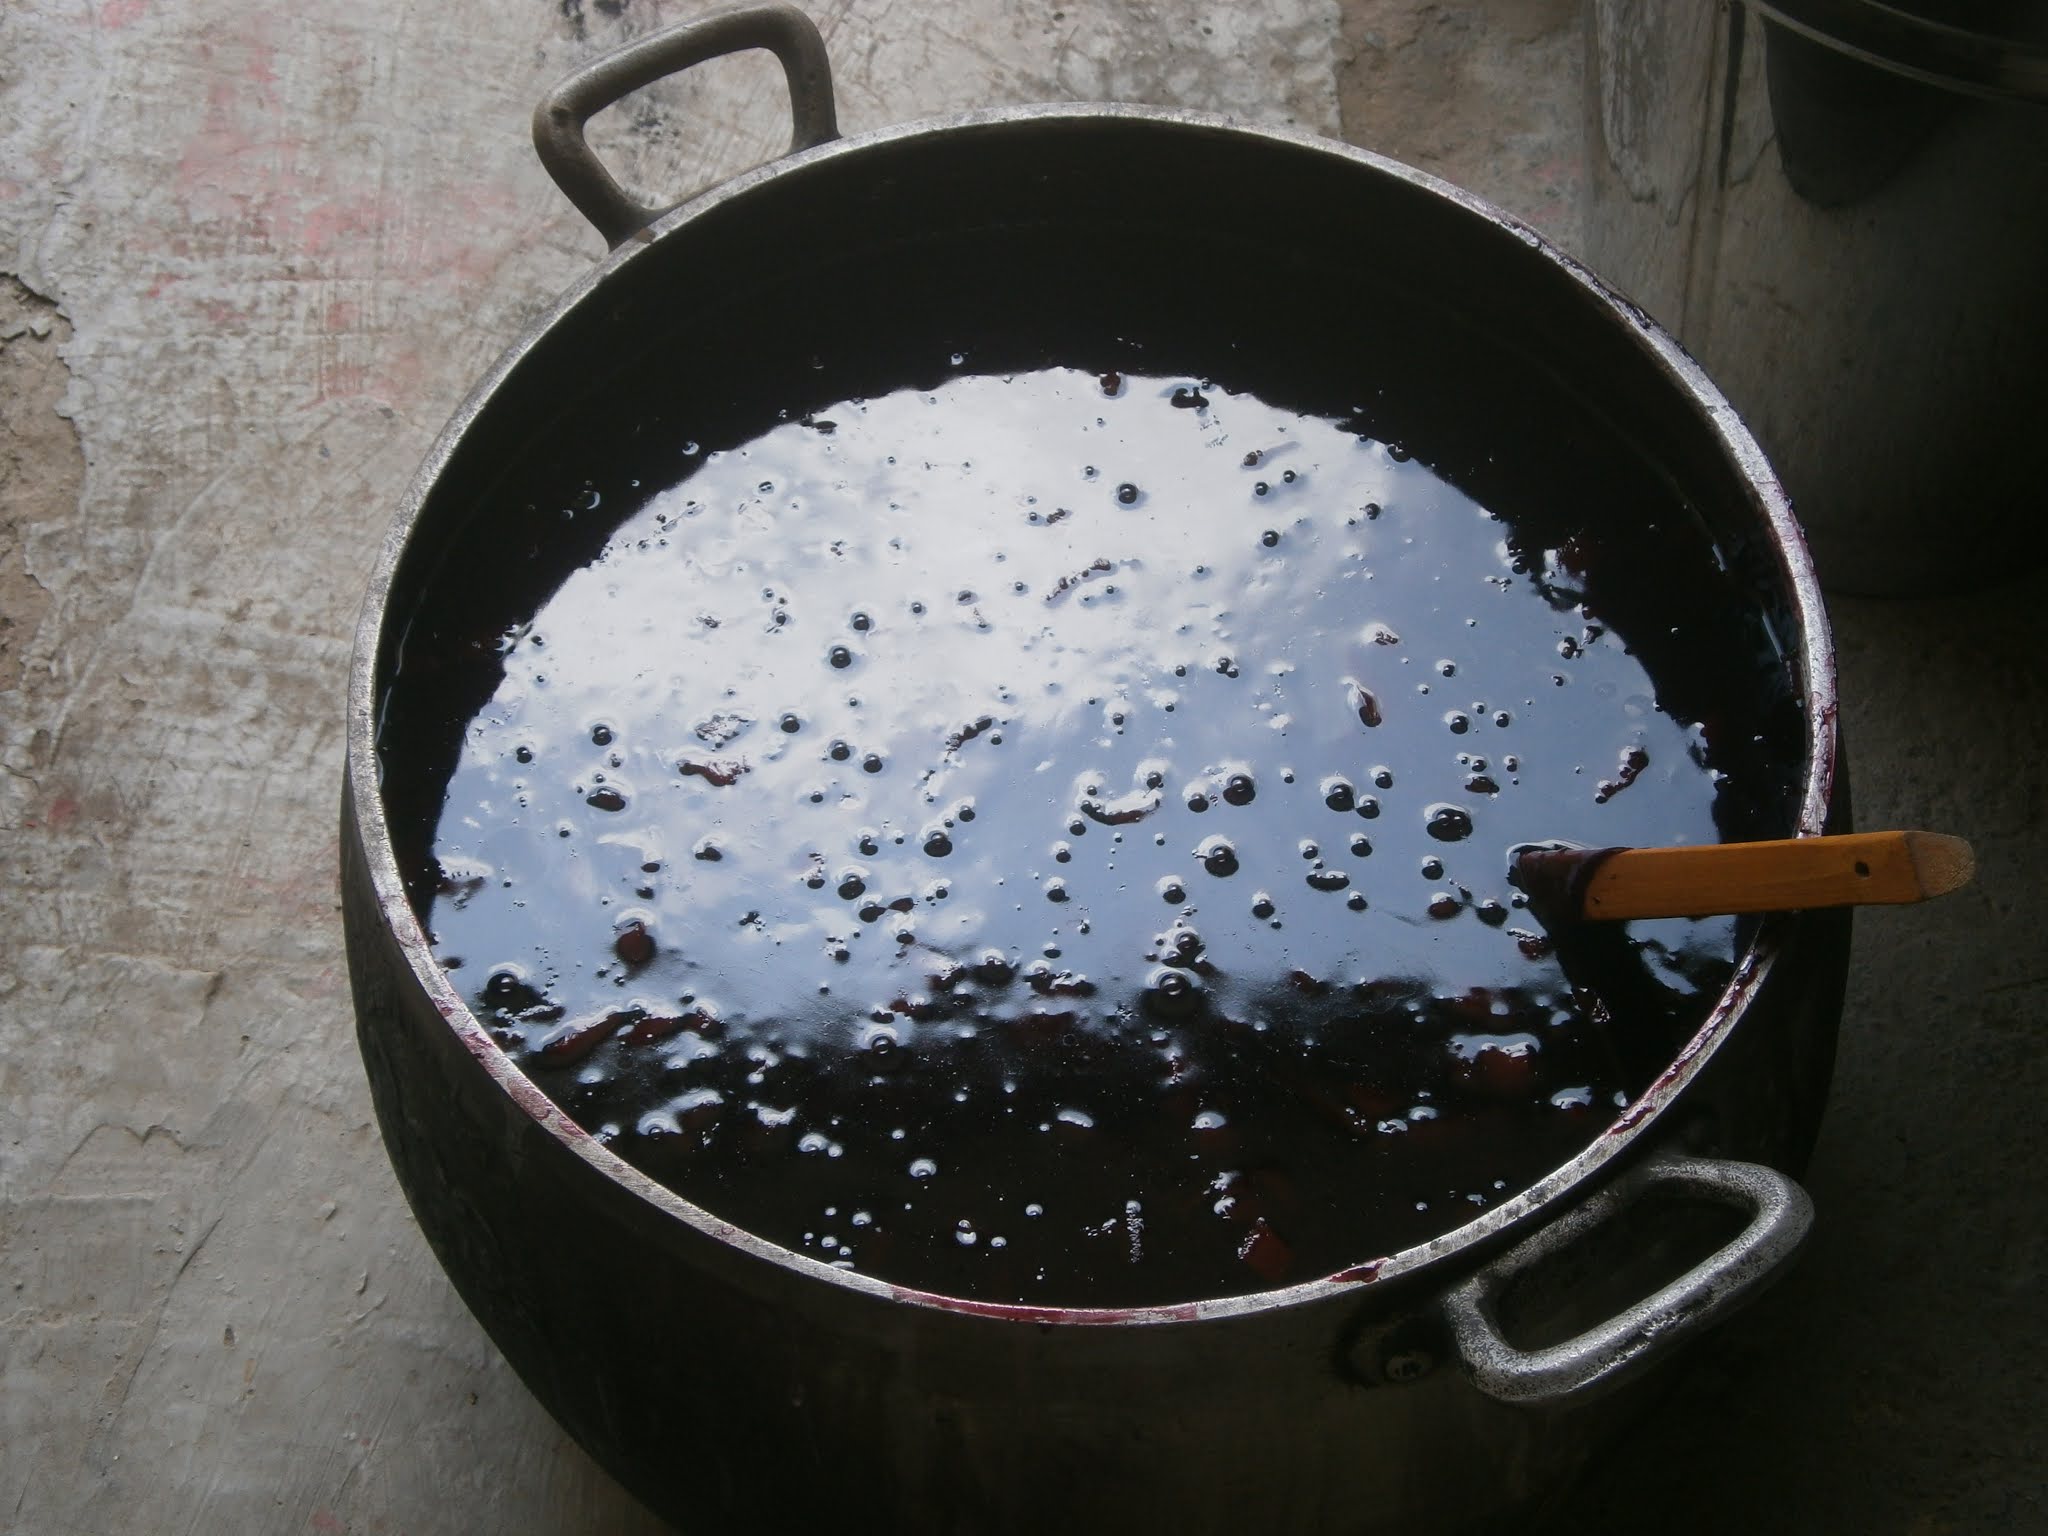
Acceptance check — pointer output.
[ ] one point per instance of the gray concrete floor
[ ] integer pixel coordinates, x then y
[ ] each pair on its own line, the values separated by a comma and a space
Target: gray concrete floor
248, 262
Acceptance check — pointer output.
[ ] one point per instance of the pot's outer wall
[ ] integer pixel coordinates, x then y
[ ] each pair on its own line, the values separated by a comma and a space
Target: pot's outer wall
734, 1389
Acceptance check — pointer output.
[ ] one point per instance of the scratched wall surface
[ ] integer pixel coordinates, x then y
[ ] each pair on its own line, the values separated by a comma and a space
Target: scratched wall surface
250, 257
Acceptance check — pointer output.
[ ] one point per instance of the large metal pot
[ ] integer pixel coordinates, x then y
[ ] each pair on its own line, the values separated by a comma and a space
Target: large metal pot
735, 1384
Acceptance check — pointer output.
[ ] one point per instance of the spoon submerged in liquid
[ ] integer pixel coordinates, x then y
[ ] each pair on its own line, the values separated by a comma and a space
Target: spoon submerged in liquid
1787, 874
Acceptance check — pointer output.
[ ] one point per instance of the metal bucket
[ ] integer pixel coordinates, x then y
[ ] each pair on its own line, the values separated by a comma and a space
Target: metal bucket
1841, 209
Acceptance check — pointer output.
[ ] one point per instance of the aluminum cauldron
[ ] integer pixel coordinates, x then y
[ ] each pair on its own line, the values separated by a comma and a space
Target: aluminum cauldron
736, 1385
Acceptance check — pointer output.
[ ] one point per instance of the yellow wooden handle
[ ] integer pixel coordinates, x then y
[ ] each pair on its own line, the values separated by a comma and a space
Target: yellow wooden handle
1854, 869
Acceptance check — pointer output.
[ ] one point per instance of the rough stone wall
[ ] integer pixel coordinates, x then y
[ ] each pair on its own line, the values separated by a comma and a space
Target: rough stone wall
1486, 96
41, 467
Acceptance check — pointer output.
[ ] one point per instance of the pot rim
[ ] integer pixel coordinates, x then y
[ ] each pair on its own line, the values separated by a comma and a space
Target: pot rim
1813, 663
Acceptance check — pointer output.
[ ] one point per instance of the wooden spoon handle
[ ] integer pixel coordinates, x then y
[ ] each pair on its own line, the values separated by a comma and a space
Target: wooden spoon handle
1851, 870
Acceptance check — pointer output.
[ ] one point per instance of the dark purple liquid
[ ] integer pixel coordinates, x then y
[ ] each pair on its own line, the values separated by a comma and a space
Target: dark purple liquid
1045, 838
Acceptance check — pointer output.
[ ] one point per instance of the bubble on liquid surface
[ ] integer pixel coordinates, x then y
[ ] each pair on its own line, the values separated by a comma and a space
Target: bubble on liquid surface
1449, 823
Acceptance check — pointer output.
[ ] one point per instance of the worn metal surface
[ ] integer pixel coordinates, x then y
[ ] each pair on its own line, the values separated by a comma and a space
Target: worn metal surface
558, 122
1777, 1217
263, 256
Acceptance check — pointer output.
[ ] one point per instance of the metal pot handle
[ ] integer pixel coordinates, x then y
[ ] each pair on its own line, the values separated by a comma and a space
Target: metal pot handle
558, 121
1780, 1215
